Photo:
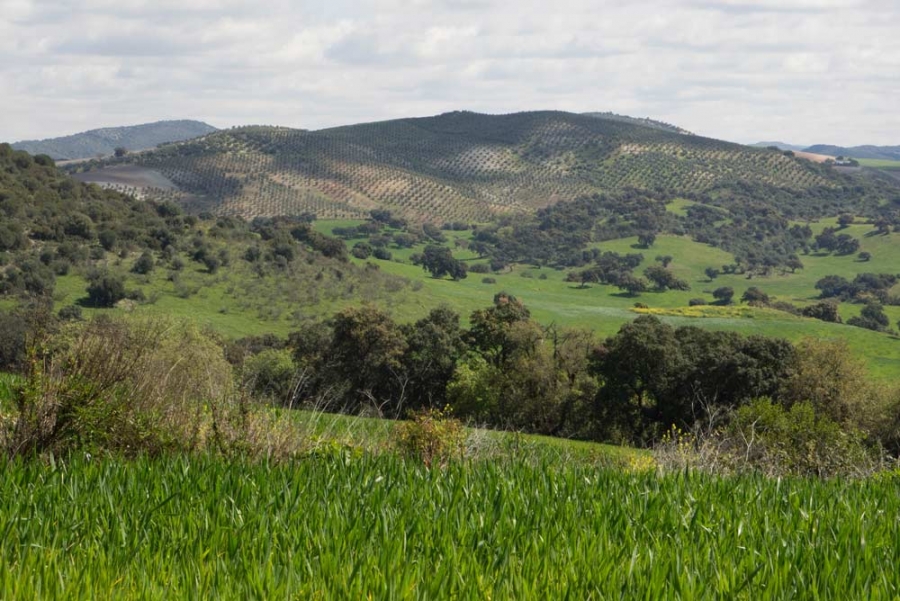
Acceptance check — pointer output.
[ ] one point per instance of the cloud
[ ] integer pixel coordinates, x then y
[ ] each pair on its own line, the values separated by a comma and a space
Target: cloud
798, 70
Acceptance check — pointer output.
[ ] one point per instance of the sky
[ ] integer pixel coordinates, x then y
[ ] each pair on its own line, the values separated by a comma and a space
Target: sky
799, 71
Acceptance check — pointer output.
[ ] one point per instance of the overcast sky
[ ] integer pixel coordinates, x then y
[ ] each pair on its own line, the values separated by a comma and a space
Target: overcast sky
802, 71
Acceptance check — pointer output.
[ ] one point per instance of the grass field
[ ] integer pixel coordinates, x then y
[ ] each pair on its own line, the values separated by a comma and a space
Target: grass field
338, 527
880, 164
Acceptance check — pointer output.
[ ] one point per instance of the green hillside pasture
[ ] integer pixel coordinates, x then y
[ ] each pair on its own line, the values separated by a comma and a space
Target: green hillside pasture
237, 303
378, 527
884, 164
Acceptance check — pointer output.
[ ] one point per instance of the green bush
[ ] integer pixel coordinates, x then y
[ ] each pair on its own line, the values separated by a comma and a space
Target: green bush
431, 436
797, 441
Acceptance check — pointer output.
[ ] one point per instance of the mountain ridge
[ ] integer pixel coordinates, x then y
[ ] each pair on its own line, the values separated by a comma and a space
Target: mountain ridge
105, 140
454, 166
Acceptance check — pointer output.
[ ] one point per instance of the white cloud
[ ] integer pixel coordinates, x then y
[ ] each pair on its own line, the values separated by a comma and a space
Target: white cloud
798, 70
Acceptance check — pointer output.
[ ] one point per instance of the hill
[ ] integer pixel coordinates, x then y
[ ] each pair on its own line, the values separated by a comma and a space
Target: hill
884, 153
456, 166
104, 141
779, 145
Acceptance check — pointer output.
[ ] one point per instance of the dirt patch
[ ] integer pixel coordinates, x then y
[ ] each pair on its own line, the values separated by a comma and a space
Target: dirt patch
815, 158
127, 175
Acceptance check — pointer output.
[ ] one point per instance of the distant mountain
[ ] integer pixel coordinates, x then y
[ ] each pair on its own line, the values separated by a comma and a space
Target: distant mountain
459, 166
104, 141
779, 145
888, 153
644, 121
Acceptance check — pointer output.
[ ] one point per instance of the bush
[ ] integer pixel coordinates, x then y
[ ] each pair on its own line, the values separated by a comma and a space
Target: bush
144, 264
696, 302
382, 254
431, 436
70, 313
119, 387
488, 280
105, 289
480, 268
797, 441
270, 374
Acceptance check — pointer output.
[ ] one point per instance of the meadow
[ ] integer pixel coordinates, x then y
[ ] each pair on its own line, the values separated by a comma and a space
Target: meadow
337, 526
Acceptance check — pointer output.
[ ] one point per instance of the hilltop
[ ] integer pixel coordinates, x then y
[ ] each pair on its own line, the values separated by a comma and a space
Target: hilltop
779, 145
458, 166
104, 141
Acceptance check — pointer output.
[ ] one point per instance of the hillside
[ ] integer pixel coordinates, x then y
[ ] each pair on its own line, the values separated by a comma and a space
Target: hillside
105, 141
643, 121
884, 153
455, 166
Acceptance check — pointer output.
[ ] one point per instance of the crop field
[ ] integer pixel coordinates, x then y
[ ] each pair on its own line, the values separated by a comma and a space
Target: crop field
341, 527
457, 166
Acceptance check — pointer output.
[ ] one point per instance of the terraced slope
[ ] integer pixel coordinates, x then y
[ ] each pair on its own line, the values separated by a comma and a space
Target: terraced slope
456, 166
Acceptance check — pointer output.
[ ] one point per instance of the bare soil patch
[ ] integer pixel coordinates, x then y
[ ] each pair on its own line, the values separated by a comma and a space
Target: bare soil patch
127, 175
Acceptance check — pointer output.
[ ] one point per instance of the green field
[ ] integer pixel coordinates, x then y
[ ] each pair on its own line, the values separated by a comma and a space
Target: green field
336, 527
880, 164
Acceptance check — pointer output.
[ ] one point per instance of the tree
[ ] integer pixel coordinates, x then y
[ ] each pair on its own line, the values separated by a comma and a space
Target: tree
845, 220
365, 356
631, 284
646, 239
663, 279
825, 311
865, 256
793, 263
724, 295
755, 296
664, 259
105, 289
872, 317
120, 151
144, 264
711, 273
434, 344
439, 261
490, 329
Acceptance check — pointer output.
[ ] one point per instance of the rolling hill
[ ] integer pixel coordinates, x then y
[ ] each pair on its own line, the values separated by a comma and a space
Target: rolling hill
456, 166
104, 141
884, 153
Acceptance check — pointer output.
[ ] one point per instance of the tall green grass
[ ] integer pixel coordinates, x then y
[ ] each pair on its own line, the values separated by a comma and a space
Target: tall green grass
337, 527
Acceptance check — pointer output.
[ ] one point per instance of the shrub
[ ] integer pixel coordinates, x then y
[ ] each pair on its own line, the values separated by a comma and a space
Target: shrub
144, 264
797, 441
120, 387
431, 436
480, 268
696, 302
105, 289
382, 254
70, 313
488, 280
270, 374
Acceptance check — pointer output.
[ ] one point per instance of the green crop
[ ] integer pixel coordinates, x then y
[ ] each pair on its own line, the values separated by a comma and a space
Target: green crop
379, 527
